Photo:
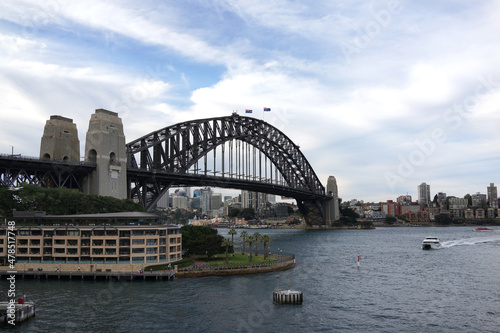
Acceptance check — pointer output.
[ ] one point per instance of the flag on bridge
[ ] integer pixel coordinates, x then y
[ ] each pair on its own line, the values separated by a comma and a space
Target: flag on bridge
267, 109
248, 111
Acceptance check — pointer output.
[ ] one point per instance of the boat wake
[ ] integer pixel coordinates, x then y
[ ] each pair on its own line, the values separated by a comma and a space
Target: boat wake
470, 241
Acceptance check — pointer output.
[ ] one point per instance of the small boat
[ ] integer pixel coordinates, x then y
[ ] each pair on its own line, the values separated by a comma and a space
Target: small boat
483, 229
431, 243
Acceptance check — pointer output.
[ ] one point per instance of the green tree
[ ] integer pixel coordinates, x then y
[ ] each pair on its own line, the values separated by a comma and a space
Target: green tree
206, 244
250, 241
191, 233
265, 239
443, 219
247, 214
390, 219
227, 244
244, 236
232, 232
234, 212
256, 237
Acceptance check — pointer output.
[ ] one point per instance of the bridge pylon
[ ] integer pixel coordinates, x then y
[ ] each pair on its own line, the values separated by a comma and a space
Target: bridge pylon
332, 211
60, 140
105, 146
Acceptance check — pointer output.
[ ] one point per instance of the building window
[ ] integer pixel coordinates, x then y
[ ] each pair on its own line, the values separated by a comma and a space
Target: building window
138, 250
137, 241
151, 242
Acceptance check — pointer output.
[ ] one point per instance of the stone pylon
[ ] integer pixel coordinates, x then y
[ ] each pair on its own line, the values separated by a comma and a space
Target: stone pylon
60, 140
332, 212
105, 146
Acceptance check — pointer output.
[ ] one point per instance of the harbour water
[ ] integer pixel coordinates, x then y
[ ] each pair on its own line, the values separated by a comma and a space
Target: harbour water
397, 288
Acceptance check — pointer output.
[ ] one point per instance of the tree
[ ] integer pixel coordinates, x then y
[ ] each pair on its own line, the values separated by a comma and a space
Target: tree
443, 219
232, 232
206, 244
247, 214
234, 212
256, 237
390, 219
250, 241
265, 239
191, 233
244, 235
227, 243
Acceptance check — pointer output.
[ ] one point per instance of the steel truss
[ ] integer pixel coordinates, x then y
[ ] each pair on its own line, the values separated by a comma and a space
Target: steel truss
15, 170
253, 155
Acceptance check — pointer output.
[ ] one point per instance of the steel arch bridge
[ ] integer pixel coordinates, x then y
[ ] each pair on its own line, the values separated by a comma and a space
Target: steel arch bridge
229, 152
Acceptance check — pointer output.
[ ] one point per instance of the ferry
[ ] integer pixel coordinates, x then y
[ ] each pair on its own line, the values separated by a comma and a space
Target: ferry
431, 243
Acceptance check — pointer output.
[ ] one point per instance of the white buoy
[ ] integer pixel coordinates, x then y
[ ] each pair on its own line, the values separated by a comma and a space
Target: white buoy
359, 259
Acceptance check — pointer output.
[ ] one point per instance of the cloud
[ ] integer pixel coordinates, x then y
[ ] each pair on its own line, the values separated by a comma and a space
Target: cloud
354, 117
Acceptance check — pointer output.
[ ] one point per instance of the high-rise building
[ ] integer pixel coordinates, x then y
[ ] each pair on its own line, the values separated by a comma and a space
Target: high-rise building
492, 195
478, 199
404, 200
216, 201
441, 200
206, 200
424, 194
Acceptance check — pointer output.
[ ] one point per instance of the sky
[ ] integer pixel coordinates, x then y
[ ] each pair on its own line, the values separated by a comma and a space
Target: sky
383, 95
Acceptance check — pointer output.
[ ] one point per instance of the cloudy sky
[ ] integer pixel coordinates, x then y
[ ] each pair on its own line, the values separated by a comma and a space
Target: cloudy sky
383, 95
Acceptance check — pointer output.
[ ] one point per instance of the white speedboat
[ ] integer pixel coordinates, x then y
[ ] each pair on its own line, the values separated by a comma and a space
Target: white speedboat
431, 243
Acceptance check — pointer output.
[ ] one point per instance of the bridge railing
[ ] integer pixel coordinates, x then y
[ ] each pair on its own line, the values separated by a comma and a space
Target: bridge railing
38, 159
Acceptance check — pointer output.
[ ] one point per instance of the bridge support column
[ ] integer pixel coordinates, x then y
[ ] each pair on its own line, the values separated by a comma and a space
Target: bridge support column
332, 211
105, 146
60, 140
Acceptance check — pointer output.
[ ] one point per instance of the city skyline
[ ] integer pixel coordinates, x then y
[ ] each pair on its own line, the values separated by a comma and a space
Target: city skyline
383, 96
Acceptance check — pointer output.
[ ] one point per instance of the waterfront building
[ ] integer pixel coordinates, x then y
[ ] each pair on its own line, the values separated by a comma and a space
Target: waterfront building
457, 203
91, 247
478, 199
421, 216
424, 194
391, 208
479, 213
492, 195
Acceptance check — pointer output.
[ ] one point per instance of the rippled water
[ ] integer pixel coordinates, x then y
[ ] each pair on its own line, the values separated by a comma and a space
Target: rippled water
398, 288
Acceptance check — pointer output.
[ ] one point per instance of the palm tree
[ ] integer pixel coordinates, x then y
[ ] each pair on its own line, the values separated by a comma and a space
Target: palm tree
265, 239
250, 240
244, 235
256, 236
232, 232
227, 243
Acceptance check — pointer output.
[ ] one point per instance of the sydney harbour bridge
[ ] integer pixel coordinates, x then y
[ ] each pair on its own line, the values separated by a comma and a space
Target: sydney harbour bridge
227, 152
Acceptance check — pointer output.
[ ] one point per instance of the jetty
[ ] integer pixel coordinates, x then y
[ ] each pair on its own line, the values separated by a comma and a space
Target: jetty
96, 275
16, 311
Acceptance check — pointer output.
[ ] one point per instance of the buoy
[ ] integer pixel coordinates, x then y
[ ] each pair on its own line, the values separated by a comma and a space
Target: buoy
359, 259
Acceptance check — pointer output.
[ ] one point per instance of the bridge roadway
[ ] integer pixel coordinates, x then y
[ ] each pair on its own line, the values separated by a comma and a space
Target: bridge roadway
181, 180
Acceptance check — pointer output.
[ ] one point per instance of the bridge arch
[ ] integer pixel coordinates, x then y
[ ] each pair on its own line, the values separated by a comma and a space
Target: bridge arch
169, 157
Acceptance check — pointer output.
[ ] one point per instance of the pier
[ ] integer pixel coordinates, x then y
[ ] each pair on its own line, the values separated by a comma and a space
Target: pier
12, 313
98, 275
